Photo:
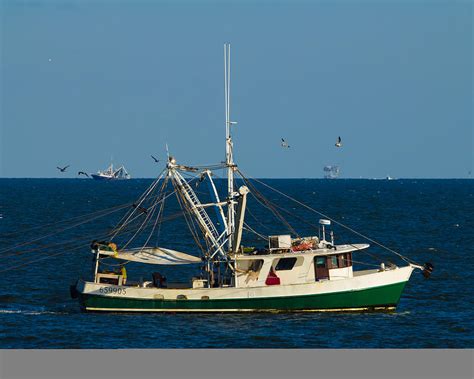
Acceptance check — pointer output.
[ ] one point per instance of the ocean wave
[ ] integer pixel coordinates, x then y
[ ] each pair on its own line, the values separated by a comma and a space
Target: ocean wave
29, 312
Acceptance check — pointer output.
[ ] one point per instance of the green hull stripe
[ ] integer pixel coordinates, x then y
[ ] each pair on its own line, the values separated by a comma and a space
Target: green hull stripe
383, 296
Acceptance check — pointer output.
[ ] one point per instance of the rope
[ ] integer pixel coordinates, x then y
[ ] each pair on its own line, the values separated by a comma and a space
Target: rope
317, 228
117, 207
39, 259
73, 247
249, 228
140, 201
333, 220
267, 204
247, 211
158, 216
141, 214
54, 233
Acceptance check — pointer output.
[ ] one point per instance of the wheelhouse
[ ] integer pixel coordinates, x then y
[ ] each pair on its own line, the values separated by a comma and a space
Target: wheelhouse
296, 267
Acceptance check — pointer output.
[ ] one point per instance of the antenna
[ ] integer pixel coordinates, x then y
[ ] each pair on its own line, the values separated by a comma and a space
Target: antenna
228, 147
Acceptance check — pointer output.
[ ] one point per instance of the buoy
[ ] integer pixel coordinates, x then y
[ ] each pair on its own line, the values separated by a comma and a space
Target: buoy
427, 269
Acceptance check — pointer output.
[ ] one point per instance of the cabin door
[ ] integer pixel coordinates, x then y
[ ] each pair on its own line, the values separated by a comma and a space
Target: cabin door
321, 270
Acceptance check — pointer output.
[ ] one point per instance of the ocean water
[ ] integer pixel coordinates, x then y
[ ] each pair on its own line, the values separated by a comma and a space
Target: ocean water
425, 220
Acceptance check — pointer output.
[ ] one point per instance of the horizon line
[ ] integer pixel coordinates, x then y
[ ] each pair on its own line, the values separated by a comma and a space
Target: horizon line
259, 178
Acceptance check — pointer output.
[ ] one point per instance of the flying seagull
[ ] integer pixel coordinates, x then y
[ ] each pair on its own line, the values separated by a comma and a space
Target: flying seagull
82, 173
156, 160
201, 179
284, 143
63, 169
339, 142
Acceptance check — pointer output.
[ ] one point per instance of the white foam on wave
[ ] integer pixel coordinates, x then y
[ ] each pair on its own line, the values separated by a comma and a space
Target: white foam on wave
26, 312
398, 314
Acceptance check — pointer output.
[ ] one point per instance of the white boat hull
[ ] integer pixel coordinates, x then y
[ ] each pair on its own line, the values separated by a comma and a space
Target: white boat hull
369, 290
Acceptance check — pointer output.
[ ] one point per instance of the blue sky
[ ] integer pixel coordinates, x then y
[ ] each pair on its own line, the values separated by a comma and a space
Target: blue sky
82, 81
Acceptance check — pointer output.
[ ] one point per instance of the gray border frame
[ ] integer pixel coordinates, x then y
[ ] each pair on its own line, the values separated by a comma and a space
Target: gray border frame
117, 364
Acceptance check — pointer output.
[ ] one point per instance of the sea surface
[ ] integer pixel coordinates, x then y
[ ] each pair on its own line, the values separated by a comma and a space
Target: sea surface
46, 226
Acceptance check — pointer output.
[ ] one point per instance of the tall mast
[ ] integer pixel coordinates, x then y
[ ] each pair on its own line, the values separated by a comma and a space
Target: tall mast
228, 146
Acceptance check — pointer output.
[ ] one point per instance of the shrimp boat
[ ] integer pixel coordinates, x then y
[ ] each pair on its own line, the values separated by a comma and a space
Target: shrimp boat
112, 174
288, 273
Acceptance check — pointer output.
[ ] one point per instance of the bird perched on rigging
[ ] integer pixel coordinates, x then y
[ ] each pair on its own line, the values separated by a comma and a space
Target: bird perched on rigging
338, 142
83, 173
284, 143
63, 169
156, 160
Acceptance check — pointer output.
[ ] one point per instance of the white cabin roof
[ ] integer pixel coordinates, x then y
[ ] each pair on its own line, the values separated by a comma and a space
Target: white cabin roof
348, 248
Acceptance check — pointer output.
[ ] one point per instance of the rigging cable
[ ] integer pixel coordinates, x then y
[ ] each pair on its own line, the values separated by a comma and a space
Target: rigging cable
267, 204
140, 201
117, 207
148, 217
317, 227
159, 213
56, 232
334, 221
141, 214
83, 240
249, 228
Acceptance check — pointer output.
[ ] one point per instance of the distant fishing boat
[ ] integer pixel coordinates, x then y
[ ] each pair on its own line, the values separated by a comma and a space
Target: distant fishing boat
288, 272
112, 174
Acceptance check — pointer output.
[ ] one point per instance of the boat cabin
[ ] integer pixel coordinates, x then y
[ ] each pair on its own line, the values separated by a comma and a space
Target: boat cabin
296, 261
294, 267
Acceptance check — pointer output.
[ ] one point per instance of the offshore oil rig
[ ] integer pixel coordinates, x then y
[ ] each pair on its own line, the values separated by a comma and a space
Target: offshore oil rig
331, 172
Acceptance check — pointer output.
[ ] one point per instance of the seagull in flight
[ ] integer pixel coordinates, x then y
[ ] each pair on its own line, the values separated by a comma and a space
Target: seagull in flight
339, 142
156, 160
82, 173
284, 143
63, 169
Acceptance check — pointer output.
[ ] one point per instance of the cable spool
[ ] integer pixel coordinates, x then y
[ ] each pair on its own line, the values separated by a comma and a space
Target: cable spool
427, 269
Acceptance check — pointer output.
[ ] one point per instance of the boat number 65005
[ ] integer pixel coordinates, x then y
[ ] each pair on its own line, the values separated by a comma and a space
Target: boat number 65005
113, 290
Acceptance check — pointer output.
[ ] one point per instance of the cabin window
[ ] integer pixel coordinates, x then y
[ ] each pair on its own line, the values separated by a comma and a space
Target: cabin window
256, 265
334, 261
321, 262
285, 264
250, 264
342, 260
349, 259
